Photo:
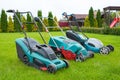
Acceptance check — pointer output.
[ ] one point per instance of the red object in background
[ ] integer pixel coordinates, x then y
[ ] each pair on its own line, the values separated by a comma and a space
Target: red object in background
63, 23
114, 22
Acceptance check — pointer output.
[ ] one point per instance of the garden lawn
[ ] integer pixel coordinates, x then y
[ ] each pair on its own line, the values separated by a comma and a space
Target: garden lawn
101, 67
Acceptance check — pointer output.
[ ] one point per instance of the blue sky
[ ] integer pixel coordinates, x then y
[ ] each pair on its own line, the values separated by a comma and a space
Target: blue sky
57, 6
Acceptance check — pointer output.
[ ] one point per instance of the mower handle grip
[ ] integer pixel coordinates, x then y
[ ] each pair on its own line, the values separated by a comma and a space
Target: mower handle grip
10, 11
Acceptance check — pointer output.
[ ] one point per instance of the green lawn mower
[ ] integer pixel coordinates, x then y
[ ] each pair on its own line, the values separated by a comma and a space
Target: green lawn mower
91, 44
65, 47
32, 53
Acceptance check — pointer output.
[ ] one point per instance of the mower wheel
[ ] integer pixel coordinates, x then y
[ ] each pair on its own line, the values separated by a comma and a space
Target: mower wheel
104, 50
25, 60
91, 54
67, 63
51, 68
110, 47
59, 54
79, 58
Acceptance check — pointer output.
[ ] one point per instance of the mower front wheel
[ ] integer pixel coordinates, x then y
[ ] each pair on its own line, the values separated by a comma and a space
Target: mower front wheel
104, 50
79, 58
51, 68
59, 55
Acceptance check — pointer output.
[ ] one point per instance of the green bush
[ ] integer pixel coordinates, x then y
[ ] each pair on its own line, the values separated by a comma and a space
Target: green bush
92, 30
105, 30
57, 29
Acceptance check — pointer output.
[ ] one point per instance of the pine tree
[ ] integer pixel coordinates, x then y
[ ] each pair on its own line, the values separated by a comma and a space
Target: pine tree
10, 25
45, 21
95, 23
87, 22
23, 19
17, 27
29, 26
50, 19
98, 18
55, 21
39, 23
0, 24
4, 21
91, 17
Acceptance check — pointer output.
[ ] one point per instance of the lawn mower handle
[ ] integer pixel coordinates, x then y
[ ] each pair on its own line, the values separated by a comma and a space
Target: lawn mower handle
66, 16
37, 19
10, 11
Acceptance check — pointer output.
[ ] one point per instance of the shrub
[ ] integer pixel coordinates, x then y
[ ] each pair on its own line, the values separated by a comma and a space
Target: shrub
105, 30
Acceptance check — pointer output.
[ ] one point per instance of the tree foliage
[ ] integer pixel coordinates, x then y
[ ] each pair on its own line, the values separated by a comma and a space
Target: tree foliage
17, 26
29, 26
55, 21
10, 25
39, 23
3, 21
0, 24
91, 17
23, 19
45, 21
50, 19
95, 23
87, 22
98, 18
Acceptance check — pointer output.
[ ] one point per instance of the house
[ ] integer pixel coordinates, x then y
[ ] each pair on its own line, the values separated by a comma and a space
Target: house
73, 18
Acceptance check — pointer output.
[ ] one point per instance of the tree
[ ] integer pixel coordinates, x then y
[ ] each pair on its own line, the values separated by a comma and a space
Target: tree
40, 24
29, 26
45, 21
0, 24
87, 22
50, 19
17, 26
91, 17
23, 19
98, 18
10, 25
55, 21
4, 21
95, 23
40, 14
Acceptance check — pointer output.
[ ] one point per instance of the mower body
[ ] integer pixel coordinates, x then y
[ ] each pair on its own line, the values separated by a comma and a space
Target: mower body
40, 56
91, 44
69, 48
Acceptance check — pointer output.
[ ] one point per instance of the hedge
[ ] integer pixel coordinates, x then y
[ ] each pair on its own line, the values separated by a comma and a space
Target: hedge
104, 30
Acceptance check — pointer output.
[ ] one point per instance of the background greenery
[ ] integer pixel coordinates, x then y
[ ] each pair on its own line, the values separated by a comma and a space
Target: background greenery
101, 67
95, 19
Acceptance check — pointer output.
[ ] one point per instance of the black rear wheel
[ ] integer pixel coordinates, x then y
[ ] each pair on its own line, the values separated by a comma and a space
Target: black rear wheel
25, 60
110, 47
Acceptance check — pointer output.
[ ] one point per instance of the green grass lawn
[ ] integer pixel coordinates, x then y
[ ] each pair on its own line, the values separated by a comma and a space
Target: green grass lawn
101, 67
